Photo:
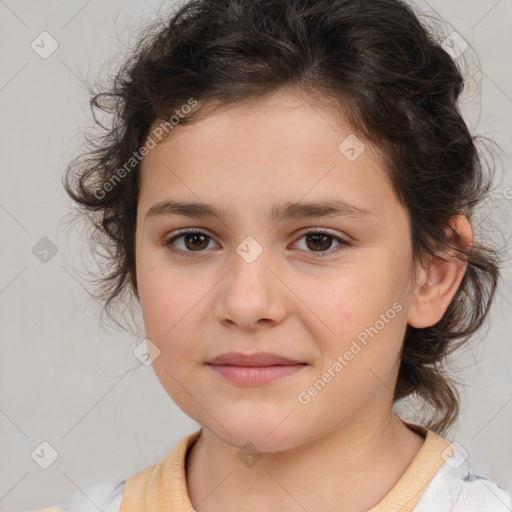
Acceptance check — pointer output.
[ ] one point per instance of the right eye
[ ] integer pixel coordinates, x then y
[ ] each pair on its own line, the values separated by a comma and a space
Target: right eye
192, 239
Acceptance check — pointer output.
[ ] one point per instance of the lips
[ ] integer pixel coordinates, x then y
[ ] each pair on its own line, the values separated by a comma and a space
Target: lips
254, 369
258, 359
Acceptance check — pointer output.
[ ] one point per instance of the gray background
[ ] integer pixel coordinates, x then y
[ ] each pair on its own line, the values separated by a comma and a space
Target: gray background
66, 381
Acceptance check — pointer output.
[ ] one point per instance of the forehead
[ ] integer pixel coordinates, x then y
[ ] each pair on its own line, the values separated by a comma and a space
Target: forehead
278, 147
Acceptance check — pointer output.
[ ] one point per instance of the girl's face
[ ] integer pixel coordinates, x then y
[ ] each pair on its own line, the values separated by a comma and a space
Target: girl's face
254, 279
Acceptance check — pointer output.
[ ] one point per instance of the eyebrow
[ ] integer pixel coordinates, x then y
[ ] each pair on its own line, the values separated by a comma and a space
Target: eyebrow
330, 208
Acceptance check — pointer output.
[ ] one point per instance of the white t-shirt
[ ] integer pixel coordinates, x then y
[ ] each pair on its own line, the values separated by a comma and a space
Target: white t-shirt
453, 488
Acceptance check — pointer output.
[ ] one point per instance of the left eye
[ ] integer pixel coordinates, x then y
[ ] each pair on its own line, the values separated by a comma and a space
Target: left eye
323, 242
196, 241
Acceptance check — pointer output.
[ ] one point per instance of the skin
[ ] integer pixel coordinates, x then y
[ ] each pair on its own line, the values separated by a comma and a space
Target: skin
345, 445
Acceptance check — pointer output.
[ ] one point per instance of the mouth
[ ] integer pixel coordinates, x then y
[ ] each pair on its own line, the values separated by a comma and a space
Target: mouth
253, 369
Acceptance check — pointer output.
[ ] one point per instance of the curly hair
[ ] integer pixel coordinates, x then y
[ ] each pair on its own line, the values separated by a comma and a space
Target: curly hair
389, 78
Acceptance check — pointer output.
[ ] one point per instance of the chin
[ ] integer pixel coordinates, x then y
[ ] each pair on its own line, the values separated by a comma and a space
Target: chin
266, 431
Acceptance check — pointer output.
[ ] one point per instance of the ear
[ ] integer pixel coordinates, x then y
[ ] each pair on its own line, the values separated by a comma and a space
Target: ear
440, 280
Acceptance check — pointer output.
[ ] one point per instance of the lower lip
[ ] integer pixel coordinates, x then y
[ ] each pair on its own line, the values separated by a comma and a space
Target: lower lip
255, 375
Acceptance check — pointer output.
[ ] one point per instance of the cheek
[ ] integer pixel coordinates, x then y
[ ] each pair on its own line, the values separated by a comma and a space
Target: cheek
361, 359
167, 304
160, 296
170, 304
365, 310
167, 314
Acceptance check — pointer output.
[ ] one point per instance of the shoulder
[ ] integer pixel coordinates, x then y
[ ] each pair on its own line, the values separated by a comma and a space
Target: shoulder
456, 488
107, 496
104, 496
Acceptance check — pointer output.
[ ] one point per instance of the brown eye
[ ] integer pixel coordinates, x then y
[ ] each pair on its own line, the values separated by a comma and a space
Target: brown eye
195, 241
320, 242
190, 241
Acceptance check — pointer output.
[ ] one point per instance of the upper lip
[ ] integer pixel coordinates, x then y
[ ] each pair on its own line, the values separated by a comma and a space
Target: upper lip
258, 359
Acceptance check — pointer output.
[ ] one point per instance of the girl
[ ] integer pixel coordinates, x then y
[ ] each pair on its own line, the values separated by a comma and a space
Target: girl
288, 191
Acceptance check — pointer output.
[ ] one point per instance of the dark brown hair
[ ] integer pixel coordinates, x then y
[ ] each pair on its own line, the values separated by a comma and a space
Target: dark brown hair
387, 75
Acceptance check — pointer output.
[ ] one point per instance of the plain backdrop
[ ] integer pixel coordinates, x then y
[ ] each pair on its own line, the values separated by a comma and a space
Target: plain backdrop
66, 381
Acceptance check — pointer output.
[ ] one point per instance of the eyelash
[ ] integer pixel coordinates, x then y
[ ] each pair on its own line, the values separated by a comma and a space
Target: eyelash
344, 244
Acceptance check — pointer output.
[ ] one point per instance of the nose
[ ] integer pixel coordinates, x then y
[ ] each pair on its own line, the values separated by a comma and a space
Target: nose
251, 296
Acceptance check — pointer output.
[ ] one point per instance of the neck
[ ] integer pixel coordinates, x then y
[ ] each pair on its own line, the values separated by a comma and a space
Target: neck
356, 465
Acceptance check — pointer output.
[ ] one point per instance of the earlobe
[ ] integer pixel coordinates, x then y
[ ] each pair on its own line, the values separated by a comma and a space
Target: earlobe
441, 279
